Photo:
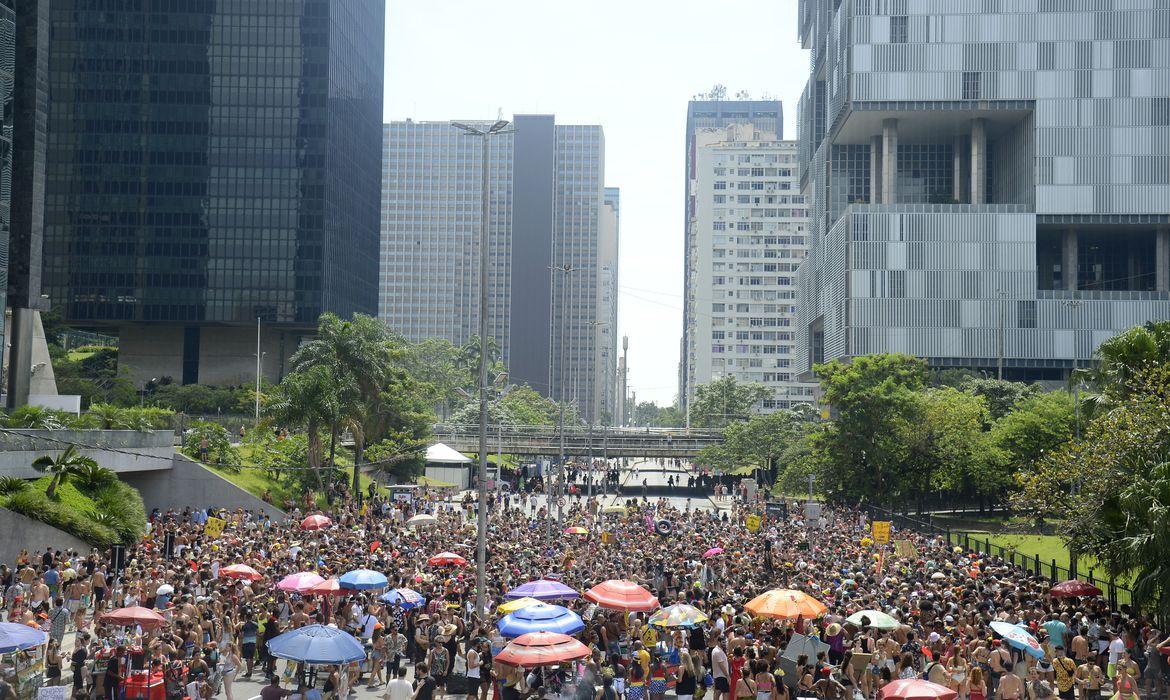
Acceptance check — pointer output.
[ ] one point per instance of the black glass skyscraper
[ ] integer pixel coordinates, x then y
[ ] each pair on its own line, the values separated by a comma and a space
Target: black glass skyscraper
211, 162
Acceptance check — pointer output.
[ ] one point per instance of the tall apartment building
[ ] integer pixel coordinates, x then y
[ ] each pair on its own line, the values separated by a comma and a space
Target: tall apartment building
606, 377
545, 236
988, 180
209, 164
750, 227
765, 115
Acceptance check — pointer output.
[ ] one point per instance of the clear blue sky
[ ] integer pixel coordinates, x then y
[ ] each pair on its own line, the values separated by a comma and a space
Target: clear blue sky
628, 65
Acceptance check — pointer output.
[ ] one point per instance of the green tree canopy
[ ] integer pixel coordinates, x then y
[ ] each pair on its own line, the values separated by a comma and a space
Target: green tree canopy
725, 400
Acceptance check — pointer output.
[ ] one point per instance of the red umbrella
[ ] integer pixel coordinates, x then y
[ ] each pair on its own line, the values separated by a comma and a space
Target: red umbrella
328, 587
542, 649
622, 595
916, 689
447, 559
1073, 589
241, 571
316, 522
136, 615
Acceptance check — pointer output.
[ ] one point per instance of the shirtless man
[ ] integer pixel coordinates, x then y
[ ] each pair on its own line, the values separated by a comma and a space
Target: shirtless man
1010, 687
1080, 646
299, 618
1088, 678
98, 583
999, 660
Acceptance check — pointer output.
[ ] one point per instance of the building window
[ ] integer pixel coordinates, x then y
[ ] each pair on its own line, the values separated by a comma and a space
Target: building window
1027, 313
972, 85
899, 29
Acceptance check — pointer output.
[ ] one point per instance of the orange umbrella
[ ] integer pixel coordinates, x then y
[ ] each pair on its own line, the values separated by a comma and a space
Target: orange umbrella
542, 649
618, 594
786, 604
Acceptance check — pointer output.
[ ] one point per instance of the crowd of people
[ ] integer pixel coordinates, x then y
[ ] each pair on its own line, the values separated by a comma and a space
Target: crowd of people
942, 598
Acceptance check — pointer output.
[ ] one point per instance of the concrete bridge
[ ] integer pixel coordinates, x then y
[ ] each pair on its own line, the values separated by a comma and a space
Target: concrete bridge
581, 441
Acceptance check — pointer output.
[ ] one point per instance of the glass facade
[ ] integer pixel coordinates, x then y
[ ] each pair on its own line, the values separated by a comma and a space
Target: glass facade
7, 86
212, 162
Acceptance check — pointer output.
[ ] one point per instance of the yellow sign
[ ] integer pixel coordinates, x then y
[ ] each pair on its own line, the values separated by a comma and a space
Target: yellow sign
881, 532
752, 523
905, 549
214, 527
608, 538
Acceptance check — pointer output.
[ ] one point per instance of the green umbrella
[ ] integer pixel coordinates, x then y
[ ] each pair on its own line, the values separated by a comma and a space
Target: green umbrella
877, 619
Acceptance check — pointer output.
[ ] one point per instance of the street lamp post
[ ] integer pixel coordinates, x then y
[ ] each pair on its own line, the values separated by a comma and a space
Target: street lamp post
481, 535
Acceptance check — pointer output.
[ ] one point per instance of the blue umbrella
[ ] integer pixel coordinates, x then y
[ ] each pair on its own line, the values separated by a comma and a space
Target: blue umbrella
362, 580
317, 644
1018, 637
540, 617
405, 597
15, 637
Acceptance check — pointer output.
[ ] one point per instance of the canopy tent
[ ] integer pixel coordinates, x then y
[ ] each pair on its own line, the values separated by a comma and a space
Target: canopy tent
441, 454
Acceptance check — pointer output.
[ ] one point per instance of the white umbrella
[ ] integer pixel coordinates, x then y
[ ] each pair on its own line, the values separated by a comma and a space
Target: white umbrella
165, 589
421, 519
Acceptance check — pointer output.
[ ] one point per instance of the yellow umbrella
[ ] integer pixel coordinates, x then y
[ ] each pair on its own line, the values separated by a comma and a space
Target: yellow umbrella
614, 509
576, 531
513, 605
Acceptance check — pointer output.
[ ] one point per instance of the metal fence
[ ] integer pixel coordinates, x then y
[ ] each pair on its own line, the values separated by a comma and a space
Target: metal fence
981, 542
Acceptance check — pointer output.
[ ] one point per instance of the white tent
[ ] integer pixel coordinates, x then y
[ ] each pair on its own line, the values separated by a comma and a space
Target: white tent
441, 454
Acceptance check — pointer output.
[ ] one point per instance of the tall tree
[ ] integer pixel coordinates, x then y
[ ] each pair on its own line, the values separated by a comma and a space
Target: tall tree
723, 401
310, 399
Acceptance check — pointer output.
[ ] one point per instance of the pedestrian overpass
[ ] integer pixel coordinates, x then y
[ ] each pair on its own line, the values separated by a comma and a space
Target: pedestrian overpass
581, 441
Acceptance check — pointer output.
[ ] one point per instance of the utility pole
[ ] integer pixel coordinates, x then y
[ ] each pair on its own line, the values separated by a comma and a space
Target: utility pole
625, 370
257, 416
482, 521
564, 269
1075, 305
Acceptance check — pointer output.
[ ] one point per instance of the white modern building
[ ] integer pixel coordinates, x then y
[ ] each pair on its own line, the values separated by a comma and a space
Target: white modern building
606, 391
551, 258
749, 229
989, 181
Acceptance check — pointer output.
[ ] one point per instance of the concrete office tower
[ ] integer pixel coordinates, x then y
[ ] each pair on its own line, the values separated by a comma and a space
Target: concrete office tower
988, 180
750, 228
605, 391
546, 208
208, 164
765, 115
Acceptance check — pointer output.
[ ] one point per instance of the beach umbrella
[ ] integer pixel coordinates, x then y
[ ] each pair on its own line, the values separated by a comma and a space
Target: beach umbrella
543, 589
679, 615
916, 689
17, 637
614, 509
447, 559
300, 582
786, 604
317, 644
618, 594
542, 649
1074, 589
316, 522
240, 571
712, 552
877, 619
134, 615
1019, 638
514, 605
541, 617
327, 587
576, 530
421, 520
405, 597
362, 580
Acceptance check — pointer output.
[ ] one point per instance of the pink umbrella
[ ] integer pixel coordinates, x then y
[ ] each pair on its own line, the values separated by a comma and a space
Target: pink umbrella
316, 522
330, 587
300, 582
712, 552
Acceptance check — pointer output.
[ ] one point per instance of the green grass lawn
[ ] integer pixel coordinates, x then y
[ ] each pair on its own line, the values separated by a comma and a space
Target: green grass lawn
257, 481
1048, 548
67, 495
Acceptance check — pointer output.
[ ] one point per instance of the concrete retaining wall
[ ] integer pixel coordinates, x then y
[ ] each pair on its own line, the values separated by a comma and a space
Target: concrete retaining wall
189, 483
18, 532
139, 451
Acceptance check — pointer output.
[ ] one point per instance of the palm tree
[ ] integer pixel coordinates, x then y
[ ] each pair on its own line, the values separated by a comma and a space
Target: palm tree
68, 462
1122, 359
308, 398
109, 415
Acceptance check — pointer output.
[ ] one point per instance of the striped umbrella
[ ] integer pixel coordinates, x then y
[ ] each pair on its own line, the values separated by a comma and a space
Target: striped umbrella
542, 649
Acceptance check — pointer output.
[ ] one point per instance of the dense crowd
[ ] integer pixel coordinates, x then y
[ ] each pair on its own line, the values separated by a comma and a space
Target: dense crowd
942, 598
